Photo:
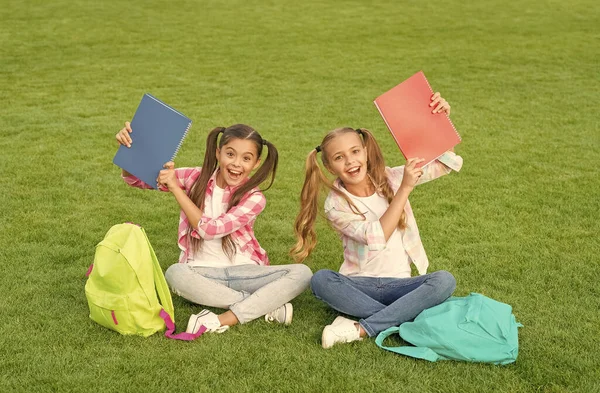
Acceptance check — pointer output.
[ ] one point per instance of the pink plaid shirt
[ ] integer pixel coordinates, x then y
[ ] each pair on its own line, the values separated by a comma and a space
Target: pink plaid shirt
238, 221
363, 240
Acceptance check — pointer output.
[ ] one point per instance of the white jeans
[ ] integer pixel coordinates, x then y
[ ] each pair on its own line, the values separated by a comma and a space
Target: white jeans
249, 291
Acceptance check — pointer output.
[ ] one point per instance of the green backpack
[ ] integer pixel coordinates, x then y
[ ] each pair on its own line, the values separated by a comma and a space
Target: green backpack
123, 282
473, 329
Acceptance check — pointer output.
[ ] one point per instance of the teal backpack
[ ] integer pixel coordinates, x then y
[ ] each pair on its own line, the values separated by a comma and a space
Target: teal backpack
473, 329
123, 282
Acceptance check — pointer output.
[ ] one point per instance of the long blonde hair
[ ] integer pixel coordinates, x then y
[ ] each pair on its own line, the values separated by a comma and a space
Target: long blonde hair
316, 181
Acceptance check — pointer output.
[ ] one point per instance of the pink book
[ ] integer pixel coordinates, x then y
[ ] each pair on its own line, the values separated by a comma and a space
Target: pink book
407, 114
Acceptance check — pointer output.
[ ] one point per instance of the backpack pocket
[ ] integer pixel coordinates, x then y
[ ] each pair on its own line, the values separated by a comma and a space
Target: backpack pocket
111, 311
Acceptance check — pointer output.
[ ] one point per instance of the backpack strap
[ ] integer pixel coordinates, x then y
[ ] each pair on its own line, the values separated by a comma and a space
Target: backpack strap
167, 311
159, 281
179, 336
415, 352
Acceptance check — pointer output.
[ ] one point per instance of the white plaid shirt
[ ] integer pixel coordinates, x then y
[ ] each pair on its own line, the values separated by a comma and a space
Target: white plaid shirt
363, 240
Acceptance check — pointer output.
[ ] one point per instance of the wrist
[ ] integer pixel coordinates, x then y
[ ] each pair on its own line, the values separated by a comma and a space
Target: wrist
405, 189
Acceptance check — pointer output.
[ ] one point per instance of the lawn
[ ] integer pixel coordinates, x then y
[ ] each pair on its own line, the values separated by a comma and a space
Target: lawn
519, 223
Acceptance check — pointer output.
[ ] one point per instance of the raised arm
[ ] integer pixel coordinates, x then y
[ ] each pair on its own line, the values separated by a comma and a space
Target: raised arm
389, 220
374, 233
174, 181
209, 228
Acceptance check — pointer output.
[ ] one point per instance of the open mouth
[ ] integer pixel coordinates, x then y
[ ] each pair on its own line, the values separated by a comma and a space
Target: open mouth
353, 171
233, 174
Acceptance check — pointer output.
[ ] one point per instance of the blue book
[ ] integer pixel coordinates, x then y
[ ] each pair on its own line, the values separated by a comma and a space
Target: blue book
157, 132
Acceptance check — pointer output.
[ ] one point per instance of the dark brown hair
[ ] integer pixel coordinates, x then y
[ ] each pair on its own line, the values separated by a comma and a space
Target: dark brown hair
268, 167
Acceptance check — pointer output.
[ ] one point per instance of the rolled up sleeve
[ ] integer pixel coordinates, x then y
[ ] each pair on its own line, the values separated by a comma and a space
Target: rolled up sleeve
133, 181
451, 160
443, 165
185, 177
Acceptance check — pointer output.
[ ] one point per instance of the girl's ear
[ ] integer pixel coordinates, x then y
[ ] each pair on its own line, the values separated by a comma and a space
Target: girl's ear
257, 164
218, 151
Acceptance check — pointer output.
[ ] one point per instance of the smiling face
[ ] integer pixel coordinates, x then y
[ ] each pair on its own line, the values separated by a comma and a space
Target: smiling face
237, 159
347, 159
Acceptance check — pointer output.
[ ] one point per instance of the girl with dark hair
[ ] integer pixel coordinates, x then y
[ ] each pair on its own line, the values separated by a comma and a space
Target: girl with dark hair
221, 263
368, 206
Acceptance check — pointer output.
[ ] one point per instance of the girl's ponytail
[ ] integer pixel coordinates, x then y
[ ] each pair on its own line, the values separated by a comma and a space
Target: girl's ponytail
271, 161
304, 227
198, 190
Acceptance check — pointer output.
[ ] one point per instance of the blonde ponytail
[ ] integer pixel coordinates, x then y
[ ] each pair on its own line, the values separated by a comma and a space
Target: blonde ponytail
304, 226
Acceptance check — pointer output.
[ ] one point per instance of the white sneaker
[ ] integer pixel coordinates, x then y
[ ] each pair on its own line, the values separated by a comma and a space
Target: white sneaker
205, 318
342, 330
281, 314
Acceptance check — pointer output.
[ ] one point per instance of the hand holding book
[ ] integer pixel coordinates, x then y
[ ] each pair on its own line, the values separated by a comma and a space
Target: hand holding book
124, 139
158, 131
166, 177
123, 136
411, 112
412, 174
439, 104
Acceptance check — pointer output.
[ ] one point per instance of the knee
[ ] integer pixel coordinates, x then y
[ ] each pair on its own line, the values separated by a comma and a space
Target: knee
174, 272
321, 280
446, 281
304, 274
299, 273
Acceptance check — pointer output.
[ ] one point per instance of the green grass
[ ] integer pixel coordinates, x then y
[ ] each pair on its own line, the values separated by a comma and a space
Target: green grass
519, 223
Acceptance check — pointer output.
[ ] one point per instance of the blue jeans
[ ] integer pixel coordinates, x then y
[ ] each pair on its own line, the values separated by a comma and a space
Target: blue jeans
249, 291
382, 302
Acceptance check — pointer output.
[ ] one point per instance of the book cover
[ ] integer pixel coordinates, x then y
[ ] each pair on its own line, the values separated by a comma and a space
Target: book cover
157, 132
407, 114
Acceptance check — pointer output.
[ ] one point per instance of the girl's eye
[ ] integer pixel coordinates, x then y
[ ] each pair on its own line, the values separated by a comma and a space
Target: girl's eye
246, 159
337, 158
355, 151
229, 154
